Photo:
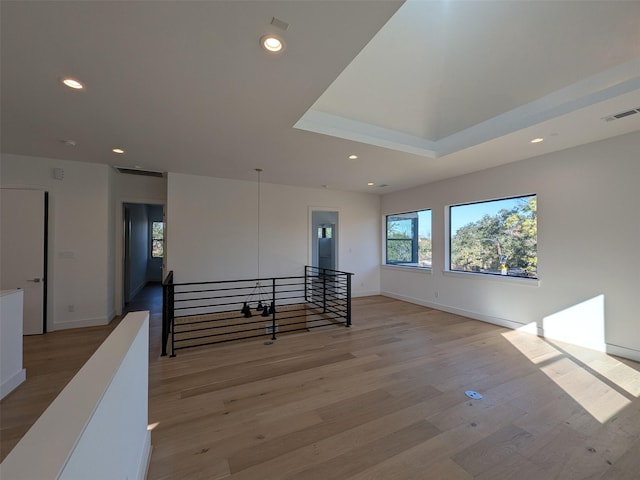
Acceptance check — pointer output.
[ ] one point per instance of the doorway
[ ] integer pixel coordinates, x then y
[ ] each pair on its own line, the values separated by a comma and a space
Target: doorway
324, 239
143, 247
23, 252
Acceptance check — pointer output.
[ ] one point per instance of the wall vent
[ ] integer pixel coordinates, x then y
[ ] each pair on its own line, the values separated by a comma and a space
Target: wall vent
138, 171
620, 115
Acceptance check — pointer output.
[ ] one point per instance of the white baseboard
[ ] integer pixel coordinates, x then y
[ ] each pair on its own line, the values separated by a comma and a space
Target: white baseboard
366, 293
86, 322
624, 352
502, 322
617, 350
11, 383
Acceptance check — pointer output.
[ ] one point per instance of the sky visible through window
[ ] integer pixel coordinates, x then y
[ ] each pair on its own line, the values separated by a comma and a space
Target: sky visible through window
462, 215
424, 225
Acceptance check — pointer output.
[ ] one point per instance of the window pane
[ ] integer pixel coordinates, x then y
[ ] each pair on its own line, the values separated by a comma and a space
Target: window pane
409, 239
497, 237
157, 249
325, 232
157, 237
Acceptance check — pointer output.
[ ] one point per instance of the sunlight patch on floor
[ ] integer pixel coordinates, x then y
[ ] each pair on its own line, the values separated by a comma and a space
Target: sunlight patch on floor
588, 376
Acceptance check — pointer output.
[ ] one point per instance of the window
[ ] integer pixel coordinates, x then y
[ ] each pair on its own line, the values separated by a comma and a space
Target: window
325, 232
157, 239
497, 237
409, 239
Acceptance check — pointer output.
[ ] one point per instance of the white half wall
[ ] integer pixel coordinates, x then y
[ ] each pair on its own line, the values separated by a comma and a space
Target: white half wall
80, 246
97, 427
588, 231
212, 230
12, 372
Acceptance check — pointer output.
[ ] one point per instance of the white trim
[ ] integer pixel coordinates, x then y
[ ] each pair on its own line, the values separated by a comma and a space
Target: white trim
311, 234
366, 293
525, 282
11, 383
610, 349
86, 322
407, 268
18, 186
118, 292
624, 352
502, 322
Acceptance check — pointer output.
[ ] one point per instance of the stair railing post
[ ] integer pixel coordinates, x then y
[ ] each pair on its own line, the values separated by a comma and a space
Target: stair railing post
173, 318
165, 319
273, 302
348, 300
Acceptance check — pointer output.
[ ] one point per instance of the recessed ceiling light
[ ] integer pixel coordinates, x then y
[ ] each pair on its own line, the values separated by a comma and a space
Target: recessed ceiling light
371, 184
537, 140
117, 150
272, 43
72, 83
353, 157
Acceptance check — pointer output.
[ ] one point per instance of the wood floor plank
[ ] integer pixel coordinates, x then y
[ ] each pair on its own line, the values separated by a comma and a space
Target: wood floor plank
360, 458
383, 400
493, 450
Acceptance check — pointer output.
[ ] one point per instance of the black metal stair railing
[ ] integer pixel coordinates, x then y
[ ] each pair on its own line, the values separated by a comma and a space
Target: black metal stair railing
167, 310
204, 313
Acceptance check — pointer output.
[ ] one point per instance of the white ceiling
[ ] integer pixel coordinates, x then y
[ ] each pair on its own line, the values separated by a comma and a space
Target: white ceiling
439, 89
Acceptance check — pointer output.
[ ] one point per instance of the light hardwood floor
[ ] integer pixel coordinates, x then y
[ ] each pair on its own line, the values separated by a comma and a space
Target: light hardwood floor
385, 400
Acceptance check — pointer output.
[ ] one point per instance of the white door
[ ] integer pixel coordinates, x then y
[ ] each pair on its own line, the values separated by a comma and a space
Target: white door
22, 248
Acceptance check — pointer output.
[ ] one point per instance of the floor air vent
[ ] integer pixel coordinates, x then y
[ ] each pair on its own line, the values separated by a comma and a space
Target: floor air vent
138, 171
620, 115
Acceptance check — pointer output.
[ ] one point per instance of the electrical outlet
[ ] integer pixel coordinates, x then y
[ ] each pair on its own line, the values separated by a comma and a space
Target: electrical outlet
71, 308
436, 293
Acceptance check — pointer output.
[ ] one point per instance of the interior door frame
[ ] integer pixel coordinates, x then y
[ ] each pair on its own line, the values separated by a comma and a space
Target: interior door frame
119, 244
312, 234
45, 266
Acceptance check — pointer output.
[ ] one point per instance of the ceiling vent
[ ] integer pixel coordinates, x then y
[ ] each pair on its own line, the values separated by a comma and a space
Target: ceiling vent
620, 115
138, 171
281, 24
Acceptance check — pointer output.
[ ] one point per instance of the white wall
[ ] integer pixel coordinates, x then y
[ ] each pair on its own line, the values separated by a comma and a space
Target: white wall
80, 258
588, 231
212, 230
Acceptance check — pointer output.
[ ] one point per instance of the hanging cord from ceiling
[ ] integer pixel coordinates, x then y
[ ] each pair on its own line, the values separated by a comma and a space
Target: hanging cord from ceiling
258, 289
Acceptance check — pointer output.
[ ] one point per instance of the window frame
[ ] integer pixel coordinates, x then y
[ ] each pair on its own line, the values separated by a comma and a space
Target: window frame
415, 249
486, 275
154, 239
